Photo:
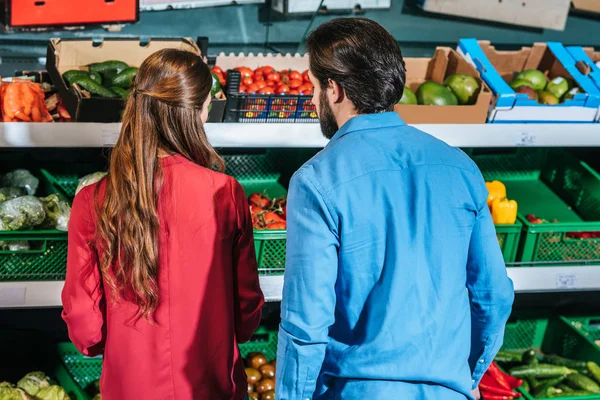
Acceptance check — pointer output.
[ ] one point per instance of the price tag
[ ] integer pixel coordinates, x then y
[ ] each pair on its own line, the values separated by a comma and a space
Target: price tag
109, 137
525, 139
566, 281
12, 296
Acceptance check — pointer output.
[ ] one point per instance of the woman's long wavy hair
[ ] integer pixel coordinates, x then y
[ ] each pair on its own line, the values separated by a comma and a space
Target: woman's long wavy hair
162, 117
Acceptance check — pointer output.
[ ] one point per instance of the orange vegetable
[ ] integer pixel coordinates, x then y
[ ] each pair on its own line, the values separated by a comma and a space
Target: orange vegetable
496, 190
504, 211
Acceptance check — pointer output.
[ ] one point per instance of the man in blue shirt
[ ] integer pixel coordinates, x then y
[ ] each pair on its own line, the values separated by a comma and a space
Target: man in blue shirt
395, 286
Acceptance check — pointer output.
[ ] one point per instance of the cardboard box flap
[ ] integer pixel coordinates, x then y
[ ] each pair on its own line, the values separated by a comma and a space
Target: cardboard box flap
277, 61
76, 54
587, 5
586, 60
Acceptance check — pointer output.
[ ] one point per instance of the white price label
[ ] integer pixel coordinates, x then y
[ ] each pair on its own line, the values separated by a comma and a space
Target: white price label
12, 296
525, 139
566, 281
109, 137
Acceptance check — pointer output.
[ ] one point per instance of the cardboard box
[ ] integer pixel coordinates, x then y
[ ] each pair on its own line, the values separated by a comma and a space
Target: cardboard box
55, 13
498, 68
67, 54
587, 5
444, 63
550, 14
588, 62
278, 61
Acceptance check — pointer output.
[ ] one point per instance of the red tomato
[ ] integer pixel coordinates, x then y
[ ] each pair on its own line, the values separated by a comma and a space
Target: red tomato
295, 84
305, 76
259, 199
243, 89
283, 89
294, 91
247, 81
221, 78
285, 72
306, 89
217, 70
245, 72
296, 76
271, 84
266, 90
256, 209
253, 88
276, 225
267, 69
258, 71
274, 77
272, 217
258, 77
261, 84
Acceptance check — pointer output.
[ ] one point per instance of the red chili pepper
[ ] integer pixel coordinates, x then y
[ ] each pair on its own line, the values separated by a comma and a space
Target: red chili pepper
513, 382
486, 387
498, 376
489, 396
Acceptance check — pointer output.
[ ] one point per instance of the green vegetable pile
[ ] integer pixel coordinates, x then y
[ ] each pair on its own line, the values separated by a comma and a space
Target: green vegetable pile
111, 79
551, 376
20, 209
33, 386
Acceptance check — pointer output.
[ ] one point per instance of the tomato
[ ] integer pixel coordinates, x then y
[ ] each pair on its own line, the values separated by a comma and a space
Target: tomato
296, 76
247, 81
267, 69
258, 71
259, 199
272, 217
245, 72
282, 89
285, 72
305, 76
295, 83
217, 70
306, 89
271, 84
242, 89
258, 77
253, 88
274, 77
220, 77
267, 90
261, 84
276, 225
294, 92
255, 209
285, 79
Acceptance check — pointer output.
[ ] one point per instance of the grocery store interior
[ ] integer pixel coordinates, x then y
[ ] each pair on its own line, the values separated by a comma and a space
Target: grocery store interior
523, 103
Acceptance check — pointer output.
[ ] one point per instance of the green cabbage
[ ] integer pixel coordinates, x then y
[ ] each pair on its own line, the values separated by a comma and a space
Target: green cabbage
53, 392
21, 178
57, 211
10, 393
21, 213
33, 382
9, 193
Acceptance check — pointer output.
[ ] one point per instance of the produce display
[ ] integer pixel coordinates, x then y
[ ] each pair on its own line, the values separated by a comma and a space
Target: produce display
549, 376
496, 385
266, 80
457, 89
261, 377
504, 211
111, 79
20, 209
535, 85
33, 386
267, 214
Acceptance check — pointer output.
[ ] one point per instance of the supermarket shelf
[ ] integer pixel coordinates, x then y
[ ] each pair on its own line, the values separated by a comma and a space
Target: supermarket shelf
18, 134
526, 280
47, 293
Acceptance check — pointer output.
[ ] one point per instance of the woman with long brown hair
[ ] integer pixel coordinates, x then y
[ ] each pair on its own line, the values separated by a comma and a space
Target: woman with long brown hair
161, 273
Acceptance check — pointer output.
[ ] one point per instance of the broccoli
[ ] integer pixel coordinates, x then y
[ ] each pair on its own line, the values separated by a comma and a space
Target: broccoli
57, 211
21, 213
21, 178
9, 193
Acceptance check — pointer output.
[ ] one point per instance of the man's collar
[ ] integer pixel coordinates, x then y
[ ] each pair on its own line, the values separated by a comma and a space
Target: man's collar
368, 121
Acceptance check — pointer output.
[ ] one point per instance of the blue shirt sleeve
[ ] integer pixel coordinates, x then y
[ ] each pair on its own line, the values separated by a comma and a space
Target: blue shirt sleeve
308, 306
491, 294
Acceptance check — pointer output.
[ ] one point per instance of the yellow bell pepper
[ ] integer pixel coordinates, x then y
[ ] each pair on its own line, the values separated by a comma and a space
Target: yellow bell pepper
496, 190
504, 211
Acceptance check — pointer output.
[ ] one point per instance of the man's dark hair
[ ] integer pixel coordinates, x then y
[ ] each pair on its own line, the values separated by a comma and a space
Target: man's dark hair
361, 56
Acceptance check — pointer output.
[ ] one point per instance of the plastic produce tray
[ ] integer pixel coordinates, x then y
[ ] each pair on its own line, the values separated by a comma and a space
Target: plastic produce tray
551, 335
258, 108
508, 238
260, 173
47, 258
588, 327
553, 186
63, 183
82, 371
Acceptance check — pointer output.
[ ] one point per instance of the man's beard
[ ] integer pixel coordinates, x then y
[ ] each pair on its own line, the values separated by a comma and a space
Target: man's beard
329, 125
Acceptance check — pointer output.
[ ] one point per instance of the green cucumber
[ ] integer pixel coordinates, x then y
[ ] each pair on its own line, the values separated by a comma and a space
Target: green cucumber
565, 388
544, 387
529, 357
125, 78
594, 370
124, 93
582, 382
74, 73
540, 371
574, 393
525, 385
107, 66
557, 360
93, 87
216, 85
503, 355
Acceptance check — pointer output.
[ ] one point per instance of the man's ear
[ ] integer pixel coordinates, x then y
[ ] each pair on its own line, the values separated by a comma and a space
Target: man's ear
337, 91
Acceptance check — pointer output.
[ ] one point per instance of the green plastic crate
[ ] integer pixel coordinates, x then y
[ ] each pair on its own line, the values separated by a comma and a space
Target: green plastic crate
556, 186
508, 238
83, 371
588, 327
63, 183
551, 335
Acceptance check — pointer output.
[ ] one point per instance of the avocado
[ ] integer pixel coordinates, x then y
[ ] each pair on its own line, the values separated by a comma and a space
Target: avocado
408, 96
432, 93
464, 87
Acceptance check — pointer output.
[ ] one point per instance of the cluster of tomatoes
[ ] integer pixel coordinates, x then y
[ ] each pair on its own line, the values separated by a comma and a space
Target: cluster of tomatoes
266, 80
261, 377
267, 214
